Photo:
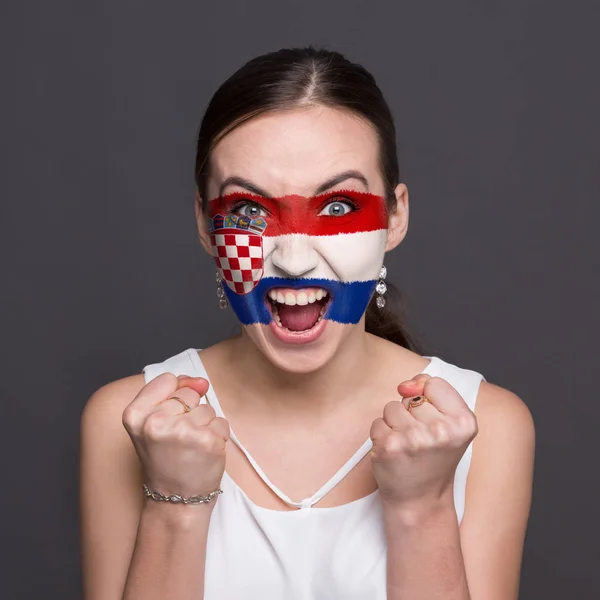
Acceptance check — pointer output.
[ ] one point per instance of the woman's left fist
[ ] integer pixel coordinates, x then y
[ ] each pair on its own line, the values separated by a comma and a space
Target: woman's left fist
415, 454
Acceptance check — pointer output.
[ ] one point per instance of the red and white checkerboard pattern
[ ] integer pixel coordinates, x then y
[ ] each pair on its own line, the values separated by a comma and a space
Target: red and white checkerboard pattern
239, 258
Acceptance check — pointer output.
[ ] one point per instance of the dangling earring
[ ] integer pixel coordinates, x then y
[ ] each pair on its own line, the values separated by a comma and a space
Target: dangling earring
381, 288
221, 292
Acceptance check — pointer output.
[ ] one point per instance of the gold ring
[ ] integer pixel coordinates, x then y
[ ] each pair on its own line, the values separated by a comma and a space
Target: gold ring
417, 401
186, 408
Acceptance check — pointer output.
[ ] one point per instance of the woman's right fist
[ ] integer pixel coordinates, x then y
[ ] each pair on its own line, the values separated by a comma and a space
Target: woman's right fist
181, 452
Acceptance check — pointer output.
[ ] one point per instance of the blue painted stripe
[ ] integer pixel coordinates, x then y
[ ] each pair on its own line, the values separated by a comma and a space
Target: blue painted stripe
348, 300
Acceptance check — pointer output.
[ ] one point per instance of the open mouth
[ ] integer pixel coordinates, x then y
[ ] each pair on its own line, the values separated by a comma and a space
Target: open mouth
298, 310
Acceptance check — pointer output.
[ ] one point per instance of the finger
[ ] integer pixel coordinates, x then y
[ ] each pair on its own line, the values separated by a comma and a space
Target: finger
414, 386
198, 384
202, 415
379, 429
164, 385
175, 407
159, 388
396, 415
221, 426
425, 413
189, 390
445, 397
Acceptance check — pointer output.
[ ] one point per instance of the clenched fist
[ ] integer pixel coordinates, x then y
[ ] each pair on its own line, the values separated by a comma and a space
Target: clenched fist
415, 454
181, 452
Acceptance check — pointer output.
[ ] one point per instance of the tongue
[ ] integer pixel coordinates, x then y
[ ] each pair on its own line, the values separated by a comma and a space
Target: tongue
299, 318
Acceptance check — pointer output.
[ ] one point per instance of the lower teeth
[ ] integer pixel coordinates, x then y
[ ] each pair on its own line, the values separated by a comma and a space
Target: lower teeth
278, 320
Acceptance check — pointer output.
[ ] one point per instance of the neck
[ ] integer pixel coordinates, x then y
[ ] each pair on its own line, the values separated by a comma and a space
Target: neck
318, 392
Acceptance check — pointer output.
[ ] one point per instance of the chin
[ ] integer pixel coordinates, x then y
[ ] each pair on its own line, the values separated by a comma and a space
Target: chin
298, 356
299, 324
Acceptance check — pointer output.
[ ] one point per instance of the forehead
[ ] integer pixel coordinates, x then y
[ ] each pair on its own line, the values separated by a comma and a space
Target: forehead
295, 151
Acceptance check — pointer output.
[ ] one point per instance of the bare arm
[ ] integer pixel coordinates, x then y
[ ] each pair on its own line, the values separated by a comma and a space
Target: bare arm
430, 557
170, 553
131, 547
424, 554
498, 495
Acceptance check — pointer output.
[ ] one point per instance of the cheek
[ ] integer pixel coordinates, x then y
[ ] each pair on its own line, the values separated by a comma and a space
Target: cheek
353, 257
238, 257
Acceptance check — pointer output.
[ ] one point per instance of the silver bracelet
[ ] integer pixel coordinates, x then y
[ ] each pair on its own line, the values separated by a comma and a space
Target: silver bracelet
176, 499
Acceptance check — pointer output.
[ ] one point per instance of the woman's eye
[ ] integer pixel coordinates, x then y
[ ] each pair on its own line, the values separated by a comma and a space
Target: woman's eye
336, 209
250, 210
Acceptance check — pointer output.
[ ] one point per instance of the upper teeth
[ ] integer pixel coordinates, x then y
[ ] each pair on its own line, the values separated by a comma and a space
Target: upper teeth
292, 298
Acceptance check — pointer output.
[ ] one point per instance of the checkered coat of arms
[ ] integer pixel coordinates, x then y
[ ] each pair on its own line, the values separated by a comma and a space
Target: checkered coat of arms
238, 251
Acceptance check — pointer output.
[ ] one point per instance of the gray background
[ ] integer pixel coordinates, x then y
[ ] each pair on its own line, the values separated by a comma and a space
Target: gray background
497, 113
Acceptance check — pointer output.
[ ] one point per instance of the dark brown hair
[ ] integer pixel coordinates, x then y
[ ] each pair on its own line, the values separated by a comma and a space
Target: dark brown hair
294, 77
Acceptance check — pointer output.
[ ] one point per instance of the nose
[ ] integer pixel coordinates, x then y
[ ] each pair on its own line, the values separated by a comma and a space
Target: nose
295, 254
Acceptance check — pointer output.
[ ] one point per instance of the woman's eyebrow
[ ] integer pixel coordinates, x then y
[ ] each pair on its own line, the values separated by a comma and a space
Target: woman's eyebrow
337, 179
342, 177
244, 183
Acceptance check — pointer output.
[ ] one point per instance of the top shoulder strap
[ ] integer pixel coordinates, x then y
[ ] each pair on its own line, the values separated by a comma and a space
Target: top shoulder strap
180, 364
465, 381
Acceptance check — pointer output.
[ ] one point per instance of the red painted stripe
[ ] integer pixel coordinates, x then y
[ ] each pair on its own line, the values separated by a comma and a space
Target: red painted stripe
300, 214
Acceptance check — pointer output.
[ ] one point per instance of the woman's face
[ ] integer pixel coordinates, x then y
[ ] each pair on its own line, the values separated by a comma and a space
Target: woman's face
298, 227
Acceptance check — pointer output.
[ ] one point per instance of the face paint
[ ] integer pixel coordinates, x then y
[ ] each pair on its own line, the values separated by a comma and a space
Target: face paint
333, 242
237, 247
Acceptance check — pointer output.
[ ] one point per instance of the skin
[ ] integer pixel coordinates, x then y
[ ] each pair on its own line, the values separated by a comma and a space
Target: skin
302, 413
294, 155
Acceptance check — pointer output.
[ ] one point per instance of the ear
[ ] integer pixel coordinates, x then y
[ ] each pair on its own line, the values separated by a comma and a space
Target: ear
202, 224
398, 219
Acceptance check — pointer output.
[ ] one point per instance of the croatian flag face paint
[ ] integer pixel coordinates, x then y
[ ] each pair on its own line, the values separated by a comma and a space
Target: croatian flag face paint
329, 246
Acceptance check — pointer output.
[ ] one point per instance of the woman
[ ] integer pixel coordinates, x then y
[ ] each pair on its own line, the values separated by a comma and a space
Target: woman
356, 467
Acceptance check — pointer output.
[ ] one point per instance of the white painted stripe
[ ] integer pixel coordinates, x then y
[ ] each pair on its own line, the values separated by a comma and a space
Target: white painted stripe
343, 257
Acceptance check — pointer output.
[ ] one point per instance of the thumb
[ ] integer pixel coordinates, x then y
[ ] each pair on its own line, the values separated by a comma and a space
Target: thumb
414, 386
198, 384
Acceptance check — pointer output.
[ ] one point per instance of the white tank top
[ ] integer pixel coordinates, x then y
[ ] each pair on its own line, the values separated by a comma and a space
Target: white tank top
309, 553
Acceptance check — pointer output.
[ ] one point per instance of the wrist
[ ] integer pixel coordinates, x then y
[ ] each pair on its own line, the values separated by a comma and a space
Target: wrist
178, 517
418, 511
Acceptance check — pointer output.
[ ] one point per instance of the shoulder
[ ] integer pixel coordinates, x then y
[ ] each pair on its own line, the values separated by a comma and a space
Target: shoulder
111, 399
500, 476
397, 361
102, 433
184, 363
109, 402
499, 411
503, 417
103, 437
